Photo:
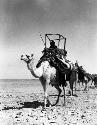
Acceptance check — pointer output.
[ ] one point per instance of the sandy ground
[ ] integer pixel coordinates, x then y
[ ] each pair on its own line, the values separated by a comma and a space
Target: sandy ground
22, 107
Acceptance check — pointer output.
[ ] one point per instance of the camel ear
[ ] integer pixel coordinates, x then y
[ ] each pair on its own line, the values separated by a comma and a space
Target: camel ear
28, 56
31, 55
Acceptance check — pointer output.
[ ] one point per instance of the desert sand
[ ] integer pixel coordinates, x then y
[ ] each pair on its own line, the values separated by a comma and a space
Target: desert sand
23, 106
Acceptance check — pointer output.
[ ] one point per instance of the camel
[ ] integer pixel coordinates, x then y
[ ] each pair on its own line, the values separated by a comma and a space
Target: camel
94, 79
45, 73
82, 75
48, 74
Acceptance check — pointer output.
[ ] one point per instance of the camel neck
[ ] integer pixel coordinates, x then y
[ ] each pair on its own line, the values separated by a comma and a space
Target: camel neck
36, 72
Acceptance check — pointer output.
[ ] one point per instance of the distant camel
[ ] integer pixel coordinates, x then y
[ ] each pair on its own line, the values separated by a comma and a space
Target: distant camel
47, 75
94, 79
72, 78
83, 76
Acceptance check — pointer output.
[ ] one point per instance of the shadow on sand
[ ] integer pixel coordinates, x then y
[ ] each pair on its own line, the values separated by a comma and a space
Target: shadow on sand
34, 105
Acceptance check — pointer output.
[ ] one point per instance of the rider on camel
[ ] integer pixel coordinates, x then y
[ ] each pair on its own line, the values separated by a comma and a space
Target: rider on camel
54, 55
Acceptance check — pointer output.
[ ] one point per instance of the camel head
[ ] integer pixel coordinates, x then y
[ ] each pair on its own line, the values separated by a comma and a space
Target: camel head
27, 58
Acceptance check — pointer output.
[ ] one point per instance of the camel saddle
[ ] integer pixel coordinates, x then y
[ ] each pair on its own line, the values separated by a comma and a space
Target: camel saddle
54, 59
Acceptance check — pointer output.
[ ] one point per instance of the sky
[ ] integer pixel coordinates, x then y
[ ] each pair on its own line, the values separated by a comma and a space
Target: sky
22, 21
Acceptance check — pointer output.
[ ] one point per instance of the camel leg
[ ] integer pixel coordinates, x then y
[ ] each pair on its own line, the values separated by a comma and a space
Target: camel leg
71, 87
45, 96
79, 85
75, 86
59, 90
82, 83
44, 85
86, 87
64, 95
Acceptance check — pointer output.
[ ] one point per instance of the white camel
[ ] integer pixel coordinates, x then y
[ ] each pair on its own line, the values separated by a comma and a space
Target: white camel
46, 74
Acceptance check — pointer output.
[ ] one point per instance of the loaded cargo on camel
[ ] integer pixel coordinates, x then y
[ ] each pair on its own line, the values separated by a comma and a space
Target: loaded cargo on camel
55, 55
